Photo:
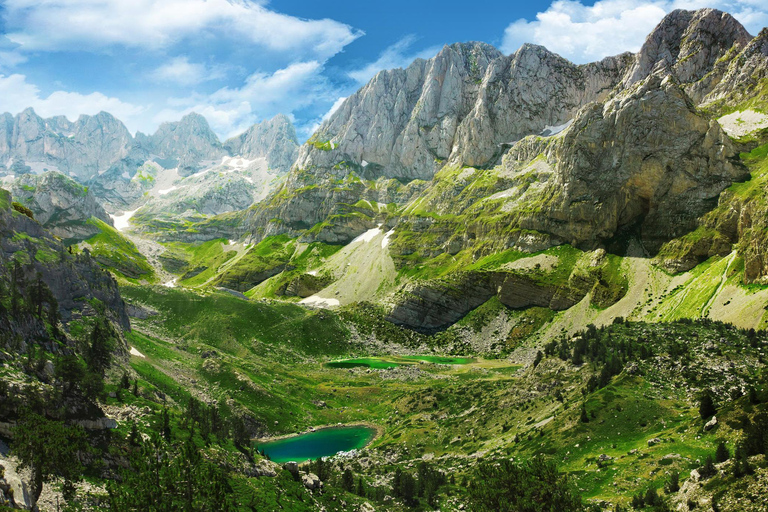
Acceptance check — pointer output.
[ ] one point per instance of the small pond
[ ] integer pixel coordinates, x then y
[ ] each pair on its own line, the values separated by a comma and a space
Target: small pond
321, 443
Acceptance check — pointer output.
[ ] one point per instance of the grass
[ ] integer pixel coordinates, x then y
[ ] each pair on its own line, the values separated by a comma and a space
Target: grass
454, 408
118, 254
199, 263
260, 262
239, 326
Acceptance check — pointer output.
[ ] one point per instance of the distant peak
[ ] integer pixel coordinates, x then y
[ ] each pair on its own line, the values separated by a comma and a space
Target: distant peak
194, 118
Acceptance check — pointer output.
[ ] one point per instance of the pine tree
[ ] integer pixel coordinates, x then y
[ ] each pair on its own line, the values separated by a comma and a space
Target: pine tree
708, 469
707, 406
49, 449
584, 417
348, 480
673, 483
721, 453
166, 430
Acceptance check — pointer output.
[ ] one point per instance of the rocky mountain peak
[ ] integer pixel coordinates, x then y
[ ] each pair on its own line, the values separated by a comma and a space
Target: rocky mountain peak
688, 44
273, 139
187, 143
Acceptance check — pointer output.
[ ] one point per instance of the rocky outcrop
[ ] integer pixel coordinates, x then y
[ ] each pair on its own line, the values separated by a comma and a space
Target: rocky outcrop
687, 45
625, 164
14, 491
74, 280
434, 305
273, 139
60, 204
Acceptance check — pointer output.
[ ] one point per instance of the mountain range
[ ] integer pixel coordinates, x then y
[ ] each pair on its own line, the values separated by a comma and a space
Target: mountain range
591, 237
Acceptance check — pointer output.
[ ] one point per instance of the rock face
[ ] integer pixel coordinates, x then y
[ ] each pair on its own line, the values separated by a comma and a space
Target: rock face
688, 44
274, 139
459, 107
465, 106
188, 144
81, 149
621, 164
60, 204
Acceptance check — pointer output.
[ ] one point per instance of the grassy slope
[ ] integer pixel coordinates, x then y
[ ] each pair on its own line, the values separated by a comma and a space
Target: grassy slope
118, 254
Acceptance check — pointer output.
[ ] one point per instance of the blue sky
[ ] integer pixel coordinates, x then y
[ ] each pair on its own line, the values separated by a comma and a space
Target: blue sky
241, 61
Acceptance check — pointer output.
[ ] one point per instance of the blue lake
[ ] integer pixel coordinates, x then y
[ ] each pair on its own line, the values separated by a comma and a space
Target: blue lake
321, 443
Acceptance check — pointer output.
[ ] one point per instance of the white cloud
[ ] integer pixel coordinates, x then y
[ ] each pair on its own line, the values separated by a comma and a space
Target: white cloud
314, 126
395, 56
53, 25
586, 33
181, 71
232, 110
16, 94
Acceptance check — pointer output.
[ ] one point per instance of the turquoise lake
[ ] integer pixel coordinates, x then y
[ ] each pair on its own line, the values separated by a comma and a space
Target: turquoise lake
321, 443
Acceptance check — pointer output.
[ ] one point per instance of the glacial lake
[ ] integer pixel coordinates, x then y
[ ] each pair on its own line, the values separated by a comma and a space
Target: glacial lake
321, 443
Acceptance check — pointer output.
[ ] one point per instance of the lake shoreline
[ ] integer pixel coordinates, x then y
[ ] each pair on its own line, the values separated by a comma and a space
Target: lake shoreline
378, 428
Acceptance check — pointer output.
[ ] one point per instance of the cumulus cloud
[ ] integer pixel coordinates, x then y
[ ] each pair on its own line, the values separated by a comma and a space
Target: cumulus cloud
181, 71
231, 110
18, 94
586, 33
54, 25
399, 55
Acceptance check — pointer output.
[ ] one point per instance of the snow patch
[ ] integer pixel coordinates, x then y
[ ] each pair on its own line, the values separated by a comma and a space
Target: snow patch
122, 222
312, 272
364, 163
136, 353
319, 302
554, 130
170, 284
385, 240
367, 236
167, 190
125, 175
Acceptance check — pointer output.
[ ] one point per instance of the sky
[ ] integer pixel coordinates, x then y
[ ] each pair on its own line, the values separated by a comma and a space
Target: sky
238, 62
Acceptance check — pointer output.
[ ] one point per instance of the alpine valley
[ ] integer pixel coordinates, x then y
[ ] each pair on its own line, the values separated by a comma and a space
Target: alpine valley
523, 284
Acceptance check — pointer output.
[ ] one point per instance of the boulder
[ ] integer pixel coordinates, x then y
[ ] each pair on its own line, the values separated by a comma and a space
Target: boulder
311, 481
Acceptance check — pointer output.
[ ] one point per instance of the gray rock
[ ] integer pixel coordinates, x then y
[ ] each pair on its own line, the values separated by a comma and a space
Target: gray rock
273, 139
311, 482
187, 144
81, 149
61, 205
292, 467
711, 424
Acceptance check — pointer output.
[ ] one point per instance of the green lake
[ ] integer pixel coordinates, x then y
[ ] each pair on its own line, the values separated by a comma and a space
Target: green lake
321, 443
395, 361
